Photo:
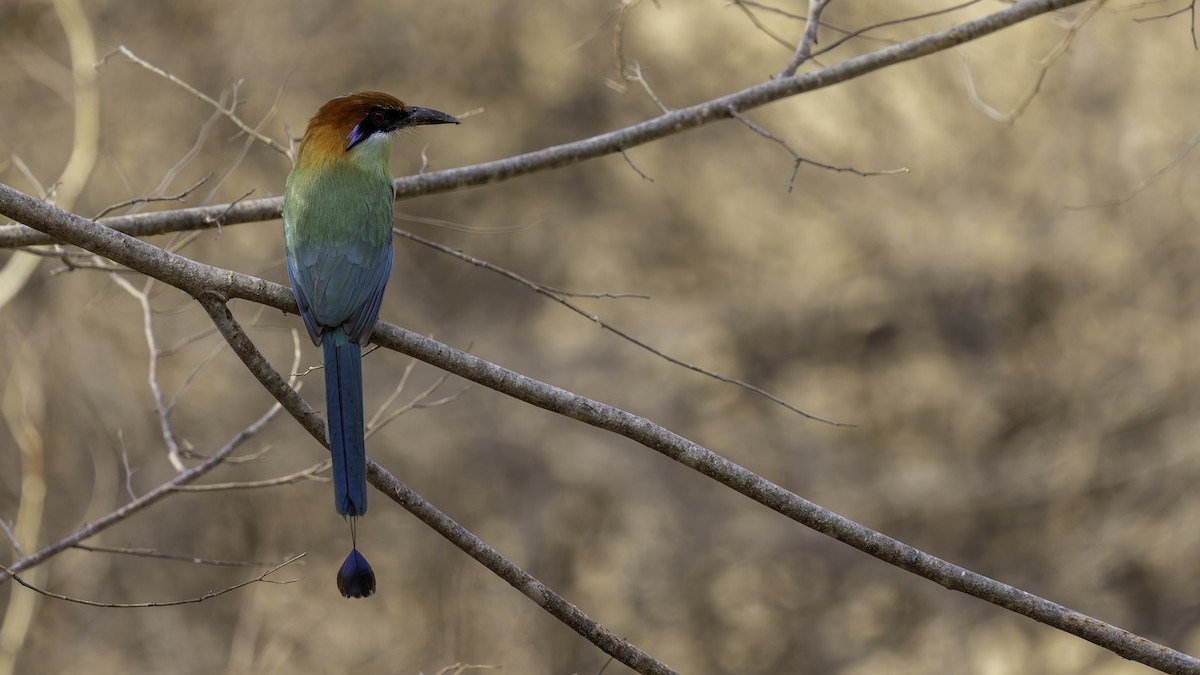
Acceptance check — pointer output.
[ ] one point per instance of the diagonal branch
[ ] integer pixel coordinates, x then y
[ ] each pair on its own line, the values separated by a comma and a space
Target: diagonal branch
861, 32
229, 112
809, 39
168, 603
798, 159
613, 142
212, 286
427, 513
1044, 66
562, 300
152, 553
174, 454
162, 491
1146, 182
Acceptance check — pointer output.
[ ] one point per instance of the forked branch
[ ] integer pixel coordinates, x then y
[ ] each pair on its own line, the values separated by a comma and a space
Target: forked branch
214, 286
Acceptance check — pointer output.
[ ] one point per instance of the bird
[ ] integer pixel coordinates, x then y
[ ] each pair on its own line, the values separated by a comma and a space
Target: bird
337, 224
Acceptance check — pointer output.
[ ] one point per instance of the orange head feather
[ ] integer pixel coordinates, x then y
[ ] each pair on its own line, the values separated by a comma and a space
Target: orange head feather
346, 121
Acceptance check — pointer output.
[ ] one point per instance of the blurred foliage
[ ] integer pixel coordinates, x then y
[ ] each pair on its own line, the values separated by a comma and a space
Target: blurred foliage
1023, 375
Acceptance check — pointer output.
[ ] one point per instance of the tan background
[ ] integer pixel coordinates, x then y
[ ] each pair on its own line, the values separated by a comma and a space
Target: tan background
1023, 375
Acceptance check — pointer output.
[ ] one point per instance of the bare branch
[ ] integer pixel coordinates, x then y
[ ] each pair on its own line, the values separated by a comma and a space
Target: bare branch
85, 146
151, 553
189, 340
187, 381
95, 527
408, 370
601, 295
804, 49
6, 527
861, 32
421, 400
543, 290
201, 282
400, 493
633, 73
618, 43
1189, 9
160, 404
460, 227
798, 160
28, 174
226, 111
170, 603
219, 220
634, 167
181, 197
192, 152
745, 7
241, 154
460, 668
311, 473
212, 285
1044, 67
674, 122
1147, 181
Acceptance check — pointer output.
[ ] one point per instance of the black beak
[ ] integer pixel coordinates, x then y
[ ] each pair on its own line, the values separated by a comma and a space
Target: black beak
416, 116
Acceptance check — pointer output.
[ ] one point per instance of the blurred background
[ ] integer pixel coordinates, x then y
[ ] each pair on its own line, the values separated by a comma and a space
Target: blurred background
1022, 374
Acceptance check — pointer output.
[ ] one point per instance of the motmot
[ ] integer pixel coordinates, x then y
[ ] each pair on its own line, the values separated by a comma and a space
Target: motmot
337, 226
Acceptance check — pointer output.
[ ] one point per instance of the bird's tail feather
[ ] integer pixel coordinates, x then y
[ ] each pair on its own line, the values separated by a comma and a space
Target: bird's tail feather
344, 412
355, 578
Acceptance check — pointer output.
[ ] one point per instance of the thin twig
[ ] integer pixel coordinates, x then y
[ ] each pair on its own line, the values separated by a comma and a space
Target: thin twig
169, 603
212, 286
57, 251
181, 198
745, 7
809, 40
633, 73
160, 405
543, 290
597, 296
158, 555
460, 668
237, 160
400, 385
311, 473
1044, 68
678, 120
1147, 181
861, 32
636, 170
798, 159
239, 459
28, 175
219, 221
609, 19
187, 341
78, 261
227, 112
126, 469
187, 381
460, 227
535, 590
419, 402
1190, 9
618, 26
12, 538
164, 490
193, 152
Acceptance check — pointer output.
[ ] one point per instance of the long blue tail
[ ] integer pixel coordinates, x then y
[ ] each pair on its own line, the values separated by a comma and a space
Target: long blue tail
344, 412
348, 446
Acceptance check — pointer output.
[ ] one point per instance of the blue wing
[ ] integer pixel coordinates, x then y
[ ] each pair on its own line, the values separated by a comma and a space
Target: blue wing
339, 256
